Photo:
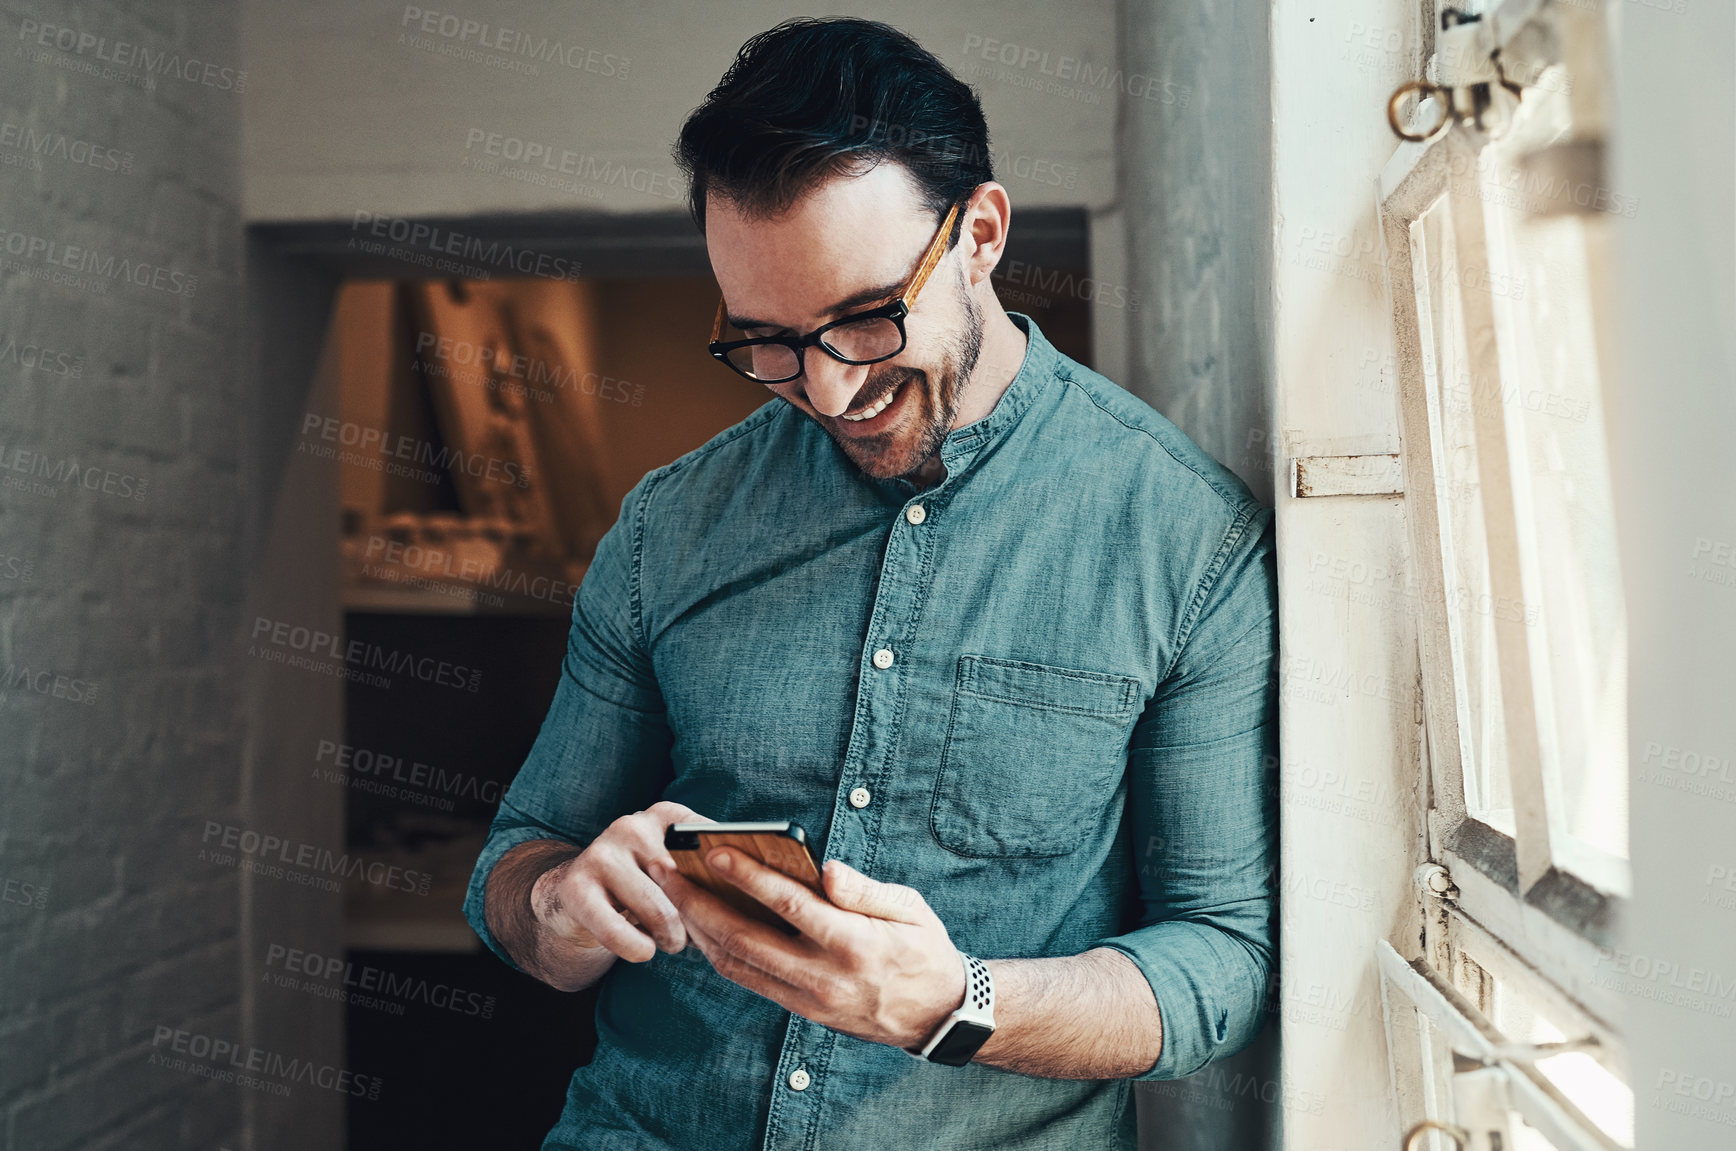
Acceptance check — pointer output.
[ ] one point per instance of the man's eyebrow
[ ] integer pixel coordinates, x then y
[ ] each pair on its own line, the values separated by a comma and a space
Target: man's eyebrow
847, 304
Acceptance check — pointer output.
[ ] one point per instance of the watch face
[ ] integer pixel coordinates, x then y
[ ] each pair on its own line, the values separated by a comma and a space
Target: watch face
959, 1044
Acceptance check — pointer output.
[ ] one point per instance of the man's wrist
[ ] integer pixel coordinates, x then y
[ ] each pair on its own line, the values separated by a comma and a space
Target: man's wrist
956, 1035
539, 888
950, 1004
508, 910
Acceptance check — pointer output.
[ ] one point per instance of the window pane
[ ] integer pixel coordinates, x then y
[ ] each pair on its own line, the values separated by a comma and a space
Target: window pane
1449, 377
1589, 1085
1555, 394
1528, 1138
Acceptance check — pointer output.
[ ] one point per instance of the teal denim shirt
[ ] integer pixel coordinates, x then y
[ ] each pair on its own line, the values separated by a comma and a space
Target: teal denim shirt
1067, 751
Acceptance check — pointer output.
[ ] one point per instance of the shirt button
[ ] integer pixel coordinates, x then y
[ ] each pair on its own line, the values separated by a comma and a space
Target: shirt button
915, 513
860, 796
799, 1080
883, 658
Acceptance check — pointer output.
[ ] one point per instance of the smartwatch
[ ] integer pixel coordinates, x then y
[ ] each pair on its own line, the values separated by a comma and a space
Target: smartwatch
960, 1034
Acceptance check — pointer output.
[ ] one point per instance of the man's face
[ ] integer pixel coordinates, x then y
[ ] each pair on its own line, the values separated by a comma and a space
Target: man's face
851, 244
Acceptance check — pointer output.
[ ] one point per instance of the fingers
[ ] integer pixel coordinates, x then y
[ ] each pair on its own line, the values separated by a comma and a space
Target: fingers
703, 912
593, 911
668, 811
795, 901
726, 963
641, 833
753, 955
606, 894
853, 891
650, 909
604, 898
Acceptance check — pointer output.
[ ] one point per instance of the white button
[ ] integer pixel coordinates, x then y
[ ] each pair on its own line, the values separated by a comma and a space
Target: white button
883, 658
798, 1080
915, 513
859, 797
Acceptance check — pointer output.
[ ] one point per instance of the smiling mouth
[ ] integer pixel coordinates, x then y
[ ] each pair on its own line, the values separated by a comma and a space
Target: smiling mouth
876, 407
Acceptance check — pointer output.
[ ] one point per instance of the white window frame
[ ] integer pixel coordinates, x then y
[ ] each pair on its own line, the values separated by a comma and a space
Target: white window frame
1529, 910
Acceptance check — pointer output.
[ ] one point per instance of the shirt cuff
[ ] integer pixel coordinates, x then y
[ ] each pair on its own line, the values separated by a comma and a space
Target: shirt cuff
1209, 987
500, 841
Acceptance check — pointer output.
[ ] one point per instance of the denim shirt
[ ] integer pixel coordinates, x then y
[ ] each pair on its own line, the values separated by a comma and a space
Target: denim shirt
1066, 750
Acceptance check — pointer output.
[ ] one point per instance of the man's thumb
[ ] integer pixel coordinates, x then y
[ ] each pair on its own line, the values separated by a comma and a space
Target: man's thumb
851, 890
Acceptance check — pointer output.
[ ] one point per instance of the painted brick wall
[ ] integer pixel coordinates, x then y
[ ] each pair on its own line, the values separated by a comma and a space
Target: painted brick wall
123, 520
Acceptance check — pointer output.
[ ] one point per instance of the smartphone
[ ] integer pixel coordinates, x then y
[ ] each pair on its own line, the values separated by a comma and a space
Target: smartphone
777, 843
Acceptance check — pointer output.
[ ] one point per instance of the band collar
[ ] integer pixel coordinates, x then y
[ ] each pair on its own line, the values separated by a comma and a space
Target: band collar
962, 445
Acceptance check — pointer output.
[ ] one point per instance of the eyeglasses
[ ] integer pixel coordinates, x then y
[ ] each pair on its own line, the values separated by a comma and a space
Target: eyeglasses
859, 338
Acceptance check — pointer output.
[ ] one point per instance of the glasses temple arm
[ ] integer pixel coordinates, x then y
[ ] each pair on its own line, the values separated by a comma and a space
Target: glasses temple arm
936, 250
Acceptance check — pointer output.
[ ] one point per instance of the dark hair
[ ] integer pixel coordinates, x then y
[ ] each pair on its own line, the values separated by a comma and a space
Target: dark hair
810, 99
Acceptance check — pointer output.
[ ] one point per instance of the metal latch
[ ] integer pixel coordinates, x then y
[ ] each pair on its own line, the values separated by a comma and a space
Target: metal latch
1472, 89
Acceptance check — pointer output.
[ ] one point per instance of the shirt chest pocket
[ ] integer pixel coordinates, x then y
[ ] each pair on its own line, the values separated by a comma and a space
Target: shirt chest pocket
1033, 756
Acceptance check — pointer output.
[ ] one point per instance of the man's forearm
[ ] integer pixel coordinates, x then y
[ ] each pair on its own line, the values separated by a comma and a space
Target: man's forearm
561, 963
1089, 1016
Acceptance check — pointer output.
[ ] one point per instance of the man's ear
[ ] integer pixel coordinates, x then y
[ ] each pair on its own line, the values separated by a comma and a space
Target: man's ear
983, 237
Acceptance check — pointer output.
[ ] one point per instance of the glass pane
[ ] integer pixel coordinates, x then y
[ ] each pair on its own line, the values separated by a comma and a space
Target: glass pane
1528, 1138
1555, 394
1600, 1096
1449, 377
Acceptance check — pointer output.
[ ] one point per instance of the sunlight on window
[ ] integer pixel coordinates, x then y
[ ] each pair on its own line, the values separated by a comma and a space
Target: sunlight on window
1528, 1138
1566, 504
1449, 377
1598, 1093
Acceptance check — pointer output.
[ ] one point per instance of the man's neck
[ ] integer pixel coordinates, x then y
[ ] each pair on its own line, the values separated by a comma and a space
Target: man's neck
928, 473
998, 362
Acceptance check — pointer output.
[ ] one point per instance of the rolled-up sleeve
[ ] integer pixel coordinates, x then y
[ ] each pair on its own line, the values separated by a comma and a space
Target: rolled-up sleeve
1202, 819
603, 750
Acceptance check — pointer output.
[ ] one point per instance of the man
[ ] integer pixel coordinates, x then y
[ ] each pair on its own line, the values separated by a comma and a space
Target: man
994, 632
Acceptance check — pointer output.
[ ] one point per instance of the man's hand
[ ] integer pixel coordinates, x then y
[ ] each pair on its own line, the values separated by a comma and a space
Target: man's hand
603, 897
564, 914
875, 962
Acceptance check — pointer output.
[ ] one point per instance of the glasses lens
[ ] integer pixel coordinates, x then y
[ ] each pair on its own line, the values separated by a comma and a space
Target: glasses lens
765, 361
865, 340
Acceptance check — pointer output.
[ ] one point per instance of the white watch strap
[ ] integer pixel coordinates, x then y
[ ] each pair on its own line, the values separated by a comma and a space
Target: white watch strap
978, 1005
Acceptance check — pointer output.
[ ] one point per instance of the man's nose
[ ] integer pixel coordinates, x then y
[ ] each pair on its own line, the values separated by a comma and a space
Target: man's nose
829, 385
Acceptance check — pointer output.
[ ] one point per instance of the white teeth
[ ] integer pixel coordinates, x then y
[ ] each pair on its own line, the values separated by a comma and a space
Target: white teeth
878, 407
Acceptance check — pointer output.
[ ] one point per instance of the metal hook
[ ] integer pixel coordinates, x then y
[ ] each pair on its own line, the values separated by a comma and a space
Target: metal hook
1460, 1137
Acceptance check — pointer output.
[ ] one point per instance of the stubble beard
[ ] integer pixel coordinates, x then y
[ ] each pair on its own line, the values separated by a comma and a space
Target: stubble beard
886, 457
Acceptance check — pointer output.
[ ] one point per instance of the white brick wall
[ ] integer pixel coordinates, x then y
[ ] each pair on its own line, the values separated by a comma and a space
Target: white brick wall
101, 802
